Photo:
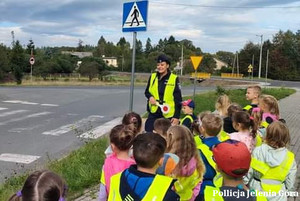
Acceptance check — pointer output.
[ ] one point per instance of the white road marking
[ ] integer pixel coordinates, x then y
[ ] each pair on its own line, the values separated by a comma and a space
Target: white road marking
18, 158
69, 127
21, 102
3, 108
49, 105
101, 130
25, 117
12, 112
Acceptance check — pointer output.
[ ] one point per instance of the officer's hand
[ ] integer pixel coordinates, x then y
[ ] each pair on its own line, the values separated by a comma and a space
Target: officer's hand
174, 121
152, 100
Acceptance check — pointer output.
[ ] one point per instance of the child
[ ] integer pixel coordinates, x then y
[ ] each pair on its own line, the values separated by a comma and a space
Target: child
252, 95
221, 105
41, 186
190, 169
139, 182
161, 126
210, 128
266, 113
227, 126
133, 118
188, 107
121, 138
246, 129
232, 161
273, 162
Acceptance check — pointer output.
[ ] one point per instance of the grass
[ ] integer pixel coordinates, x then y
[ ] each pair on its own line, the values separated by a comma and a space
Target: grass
82, 168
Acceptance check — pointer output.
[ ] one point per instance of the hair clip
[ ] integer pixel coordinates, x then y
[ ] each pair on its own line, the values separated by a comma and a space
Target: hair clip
19, 194
252, 118
133, 119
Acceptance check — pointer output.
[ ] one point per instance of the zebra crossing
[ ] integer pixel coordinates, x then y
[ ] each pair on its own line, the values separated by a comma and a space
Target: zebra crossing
12, 116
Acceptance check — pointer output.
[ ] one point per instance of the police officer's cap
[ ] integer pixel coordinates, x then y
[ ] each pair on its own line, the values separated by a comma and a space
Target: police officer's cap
163, 58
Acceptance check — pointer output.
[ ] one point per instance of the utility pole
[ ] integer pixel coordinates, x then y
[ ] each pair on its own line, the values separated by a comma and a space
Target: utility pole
267, 63
252, 65
237, 64
181, 59
260, 55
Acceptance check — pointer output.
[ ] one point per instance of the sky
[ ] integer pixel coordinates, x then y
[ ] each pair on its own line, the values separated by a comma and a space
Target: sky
212, 25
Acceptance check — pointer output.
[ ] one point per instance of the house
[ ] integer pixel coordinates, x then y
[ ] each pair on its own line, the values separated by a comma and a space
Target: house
78, 54
110, 61
220, 64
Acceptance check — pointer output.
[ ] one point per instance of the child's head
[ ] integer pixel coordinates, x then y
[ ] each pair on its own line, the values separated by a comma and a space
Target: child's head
211, 125
188, 106
148, 148
41, 186
268, 103
161, 126
197, 124
253, 93
232, 158
222, 104
278, 135
133, 118
180, 141
121, 137
234, 107
242, 121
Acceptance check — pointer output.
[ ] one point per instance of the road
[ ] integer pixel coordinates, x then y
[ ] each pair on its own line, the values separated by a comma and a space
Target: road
42, 123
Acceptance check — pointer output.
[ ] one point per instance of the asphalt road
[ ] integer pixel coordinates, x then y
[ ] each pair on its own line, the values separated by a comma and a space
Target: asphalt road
42, 123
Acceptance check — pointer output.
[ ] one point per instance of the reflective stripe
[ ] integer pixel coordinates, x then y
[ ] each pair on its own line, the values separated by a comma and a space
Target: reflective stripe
271, 181
186, 117
198, 140
247, 107
153, 194
208, 154
168, 97
260, 166
223, 136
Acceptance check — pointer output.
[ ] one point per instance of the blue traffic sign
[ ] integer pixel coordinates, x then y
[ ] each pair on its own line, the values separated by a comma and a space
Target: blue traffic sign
135, 16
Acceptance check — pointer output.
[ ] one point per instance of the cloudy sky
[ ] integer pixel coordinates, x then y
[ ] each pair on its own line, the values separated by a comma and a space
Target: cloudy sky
212, 25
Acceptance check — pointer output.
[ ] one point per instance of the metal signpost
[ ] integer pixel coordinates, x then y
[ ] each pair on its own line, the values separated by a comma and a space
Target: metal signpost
134, 19
31, 61
196, 60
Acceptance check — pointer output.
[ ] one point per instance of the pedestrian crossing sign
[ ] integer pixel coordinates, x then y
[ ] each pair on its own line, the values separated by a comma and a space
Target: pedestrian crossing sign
135, 16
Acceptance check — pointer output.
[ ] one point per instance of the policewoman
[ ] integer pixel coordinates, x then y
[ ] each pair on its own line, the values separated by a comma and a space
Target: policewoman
163, 93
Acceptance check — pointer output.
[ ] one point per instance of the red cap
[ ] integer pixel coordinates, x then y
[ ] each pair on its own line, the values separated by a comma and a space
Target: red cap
188, 102
232, 157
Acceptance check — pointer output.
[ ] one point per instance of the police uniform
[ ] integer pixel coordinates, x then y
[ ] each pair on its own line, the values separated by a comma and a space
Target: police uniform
164, 90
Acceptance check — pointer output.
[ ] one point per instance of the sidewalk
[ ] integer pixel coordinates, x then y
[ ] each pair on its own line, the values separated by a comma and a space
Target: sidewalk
290, 111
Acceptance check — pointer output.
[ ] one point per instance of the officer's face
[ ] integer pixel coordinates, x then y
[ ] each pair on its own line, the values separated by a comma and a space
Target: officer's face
162, 67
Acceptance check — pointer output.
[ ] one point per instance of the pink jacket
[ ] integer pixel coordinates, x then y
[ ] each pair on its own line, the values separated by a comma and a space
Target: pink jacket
244, 137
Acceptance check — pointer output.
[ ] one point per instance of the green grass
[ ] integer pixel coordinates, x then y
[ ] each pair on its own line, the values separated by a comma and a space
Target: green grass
82, 168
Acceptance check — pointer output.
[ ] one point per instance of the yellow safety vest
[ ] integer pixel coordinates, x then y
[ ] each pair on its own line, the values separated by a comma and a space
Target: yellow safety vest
259, 140
218, 179
186, 117
223, 136
168, 94
212, 194
184, 185
264, 124
156, 191
247, 107
273, 177
197, 140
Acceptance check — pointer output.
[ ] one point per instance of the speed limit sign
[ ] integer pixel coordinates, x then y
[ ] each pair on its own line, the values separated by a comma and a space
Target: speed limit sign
31, 60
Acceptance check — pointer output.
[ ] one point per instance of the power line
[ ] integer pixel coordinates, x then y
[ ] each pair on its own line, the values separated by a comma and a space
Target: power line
221, 7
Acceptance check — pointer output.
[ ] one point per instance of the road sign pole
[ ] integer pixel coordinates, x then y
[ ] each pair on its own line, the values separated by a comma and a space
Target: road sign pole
31, 72
132, 72
195, 84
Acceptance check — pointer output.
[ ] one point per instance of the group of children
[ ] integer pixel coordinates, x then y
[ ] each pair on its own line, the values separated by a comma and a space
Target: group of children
229, 154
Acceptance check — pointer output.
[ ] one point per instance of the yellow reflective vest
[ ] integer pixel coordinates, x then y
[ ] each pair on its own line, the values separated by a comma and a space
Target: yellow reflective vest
156, 191
186, 117
212, 194
184, 185
168, 94
273, 178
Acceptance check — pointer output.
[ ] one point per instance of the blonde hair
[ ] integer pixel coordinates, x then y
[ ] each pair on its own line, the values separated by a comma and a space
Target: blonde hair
271, 103
278, 135
222, 104
256, 88
180, 141
212, 124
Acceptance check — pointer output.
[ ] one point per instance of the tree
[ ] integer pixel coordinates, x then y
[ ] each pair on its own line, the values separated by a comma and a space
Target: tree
148, 48
227, 57
30, 47
101, 47
90, 69
4, 62
80, 47
18, 61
